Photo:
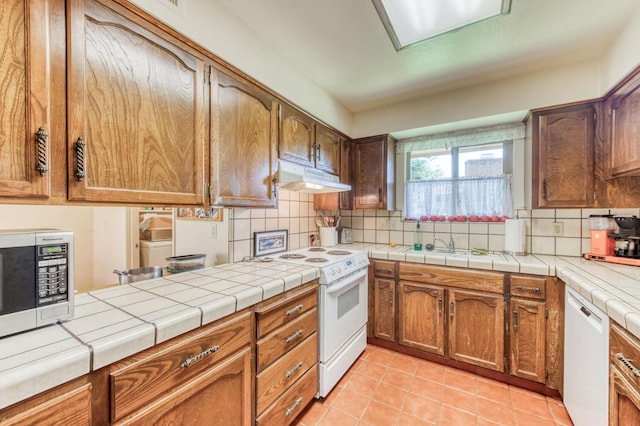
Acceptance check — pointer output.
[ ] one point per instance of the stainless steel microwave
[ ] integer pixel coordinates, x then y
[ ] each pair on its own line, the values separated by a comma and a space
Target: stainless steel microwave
36, 278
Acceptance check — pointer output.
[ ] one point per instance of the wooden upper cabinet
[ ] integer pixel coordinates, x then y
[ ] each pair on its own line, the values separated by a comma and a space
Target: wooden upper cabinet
623, 109
304, 141
563, 156
24, 83
136, 110
244, 137
327, 150
374, 173
297, 143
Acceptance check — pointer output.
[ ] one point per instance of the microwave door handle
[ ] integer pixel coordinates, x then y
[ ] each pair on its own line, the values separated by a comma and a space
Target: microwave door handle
350, 281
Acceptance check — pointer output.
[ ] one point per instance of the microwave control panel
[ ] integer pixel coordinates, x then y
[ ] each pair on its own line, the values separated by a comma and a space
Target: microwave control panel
53, 275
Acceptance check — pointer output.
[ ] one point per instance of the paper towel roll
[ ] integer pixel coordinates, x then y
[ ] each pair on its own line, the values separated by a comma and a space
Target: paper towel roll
515, 236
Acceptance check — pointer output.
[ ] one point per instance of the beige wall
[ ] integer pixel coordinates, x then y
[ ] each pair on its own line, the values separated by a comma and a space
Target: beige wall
99, 236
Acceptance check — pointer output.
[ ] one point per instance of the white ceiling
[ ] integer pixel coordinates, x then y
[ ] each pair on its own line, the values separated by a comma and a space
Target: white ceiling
342, 45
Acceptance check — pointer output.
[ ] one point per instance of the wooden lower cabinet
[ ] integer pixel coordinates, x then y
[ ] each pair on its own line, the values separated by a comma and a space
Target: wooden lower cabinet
421, 317
385, 309
528, 348
286, 355
221, 396
70, 404
476, 328
624, 379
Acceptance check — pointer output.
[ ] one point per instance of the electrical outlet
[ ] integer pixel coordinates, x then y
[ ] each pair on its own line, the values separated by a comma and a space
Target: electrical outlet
558, 228
214, 231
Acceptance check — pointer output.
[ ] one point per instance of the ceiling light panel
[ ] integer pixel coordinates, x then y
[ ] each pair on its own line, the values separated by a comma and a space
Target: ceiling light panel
411, 21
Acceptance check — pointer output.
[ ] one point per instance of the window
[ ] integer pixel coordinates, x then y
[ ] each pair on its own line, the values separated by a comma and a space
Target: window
458, 178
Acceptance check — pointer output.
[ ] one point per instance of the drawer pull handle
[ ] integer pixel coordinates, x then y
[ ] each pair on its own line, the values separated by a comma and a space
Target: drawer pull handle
41, 141
80, 159
294, 336
198, 357
525, 288
628, 364
515, 320
294, 310
384, 271
291, 409
295, 368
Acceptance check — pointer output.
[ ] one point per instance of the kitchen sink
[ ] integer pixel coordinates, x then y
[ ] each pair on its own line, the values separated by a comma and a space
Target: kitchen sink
457, 253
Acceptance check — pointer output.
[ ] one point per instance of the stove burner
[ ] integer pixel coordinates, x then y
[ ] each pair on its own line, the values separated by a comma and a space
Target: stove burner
316, 260
339, 252
293, 256
317, 249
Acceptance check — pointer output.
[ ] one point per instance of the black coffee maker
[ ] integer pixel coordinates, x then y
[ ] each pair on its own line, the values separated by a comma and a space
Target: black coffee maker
627, 239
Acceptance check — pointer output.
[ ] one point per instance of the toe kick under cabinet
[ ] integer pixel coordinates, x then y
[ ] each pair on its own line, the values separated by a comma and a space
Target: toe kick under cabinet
287, 356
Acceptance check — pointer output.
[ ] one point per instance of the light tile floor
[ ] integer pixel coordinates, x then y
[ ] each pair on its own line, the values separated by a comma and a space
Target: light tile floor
388, 388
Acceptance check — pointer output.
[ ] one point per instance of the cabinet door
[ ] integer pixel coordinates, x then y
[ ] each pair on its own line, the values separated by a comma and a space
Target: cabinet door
476, 329
623, 106
244, 128
296, 137
384, 309
624, 400
563, 155
346, 174
24, 88
373, 174
421, 317
220, 396
71, 407
528, 343
327, 150
135, 110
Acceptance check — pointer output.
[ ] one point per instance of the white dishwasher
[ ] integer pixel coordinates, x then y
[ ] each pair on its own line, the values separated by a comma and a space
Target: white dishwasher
586, 361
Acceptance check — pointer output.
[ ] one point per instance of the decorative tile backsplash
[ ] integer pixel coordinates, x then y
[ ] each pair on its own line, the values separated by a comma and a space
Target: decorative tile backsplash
296, 214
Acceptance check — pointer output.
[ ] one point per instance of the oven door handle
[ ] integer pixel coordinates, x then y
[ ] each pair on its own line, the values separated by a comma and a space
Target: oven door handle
346, 282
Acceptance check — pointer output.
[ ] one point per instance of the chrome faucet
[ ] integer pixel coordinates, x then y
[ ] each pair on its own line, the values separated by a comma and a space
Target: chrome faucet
451, 246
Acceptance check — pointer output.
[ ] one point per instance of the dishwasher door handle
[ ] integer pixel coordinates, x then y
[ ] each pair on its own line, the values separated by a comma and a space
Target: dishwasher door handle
585, 311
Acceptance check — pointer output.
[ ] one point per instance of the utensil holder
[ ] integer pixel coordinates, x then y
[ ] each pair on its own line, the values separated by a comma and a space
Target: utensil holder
328, 236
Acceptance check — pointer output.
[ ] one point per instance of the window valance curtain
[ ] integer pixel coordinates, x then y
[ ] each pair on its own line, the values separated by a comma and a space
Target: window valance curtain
462, 138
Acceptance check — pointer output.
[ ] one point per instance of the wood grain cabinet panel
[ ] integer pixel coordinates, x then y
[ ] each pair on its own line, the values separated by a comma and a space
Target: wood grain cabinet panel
327, 149
421, 323
144, 378
528, 339
384, 314
244, 129
297, 137
218, 396
476, 328
25, 127
624, 383
563, 156
136, 110
623, 108
374, 173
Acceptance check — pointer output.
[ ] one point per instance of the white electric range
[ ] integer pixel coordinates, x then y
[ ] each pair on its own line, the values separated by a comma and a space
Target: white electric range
342, 319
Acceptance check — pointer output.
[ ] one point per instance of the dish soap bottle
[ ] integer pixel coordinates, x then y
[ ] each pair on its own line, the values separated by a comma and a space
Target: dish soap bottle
417, 238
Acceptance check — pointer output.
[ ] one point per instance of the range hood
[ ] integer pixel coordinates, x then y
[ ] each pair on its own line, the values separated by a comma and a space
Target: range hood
295, 177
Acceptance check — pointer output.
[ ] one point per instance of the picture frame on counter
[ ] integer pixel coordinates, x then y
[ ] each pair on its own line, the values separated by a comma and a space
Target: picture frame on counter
199, 213
270, 242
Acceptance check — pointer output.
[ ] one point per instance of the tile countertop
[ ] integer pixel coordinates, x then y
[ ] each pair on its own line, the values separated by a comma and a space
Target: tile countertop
113, 323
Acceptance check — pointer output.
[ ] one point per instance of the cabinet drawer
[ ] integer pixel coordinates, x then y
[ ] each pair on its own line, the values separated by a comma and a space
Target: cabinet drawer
274, 380
384, 269
471, 280
286, 337
531, 287
285, 410
624, 353
282, 312
142, 378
